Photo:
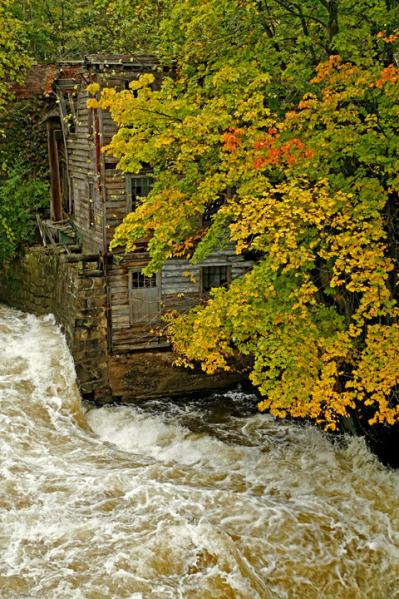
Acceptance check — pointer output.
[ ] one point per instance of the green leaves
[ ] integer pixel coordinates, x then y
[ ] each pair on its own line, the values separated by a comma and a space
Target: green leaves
20, 198
13, 56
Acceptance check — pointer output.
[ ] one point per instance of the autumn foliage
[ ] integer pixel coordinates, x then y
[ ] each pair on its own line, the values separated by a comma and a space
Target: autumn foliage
309, 188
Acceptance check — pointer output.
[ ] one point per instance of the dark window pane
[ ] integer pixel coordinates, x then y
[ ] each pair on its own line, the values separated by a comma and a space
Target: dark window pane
140, 281
140, 187
215, 276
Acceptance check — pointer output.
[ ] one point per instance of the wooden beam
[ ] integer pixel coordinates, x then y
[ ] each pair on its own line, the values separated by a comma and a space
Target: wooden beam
55, 181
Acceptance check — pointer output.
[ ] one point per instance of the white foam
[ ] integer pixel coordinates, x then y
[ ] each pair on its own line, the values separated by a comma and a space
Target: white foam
148, 506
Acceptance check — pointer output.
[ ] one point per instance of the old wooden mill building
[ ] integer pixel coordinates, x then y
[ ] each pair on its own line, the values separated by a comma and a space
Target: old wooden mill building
90, 197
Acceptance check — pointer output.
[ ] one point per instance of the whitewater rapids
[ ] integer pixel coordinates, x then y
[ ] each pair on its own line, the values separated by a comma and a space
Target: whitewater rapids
193, 500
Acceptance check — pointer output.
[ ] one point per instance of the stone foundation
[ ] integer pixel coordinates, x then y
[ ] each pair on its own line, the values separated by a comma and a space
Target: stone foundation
42, 281
143, 375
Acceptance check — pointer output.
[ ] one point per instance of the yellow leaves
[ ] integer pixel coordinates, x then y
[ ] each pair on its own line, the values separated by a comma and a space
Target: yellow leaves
145, 80
203, 341
92, 103
376, 377
93, 88
227, 73
163, 140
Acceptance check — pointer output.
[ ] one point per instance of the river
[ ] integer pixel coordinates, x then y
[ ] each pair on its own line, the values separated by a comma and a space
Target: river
184, 499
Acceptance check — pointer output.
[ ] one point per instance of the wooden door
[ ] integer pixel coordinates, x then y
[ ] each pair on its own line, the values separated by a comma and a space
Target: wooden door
144, 296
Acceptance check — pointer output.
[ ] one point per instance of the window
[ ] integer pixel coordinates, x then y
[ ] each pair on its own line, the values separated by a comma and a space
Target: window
138, 187
215, 276
140, 281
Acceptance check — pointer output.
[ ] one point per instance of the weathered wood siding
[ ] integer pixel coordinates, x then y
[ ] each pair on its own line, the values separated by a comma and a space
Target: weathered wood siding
180, 289
179, 276
84, 181
125, 334
97, 188
116, 206
115, 191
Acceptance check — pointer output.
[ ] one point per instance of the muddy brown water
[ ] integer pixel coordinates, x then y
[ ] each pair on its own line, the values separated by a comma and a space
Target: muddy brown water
187, 499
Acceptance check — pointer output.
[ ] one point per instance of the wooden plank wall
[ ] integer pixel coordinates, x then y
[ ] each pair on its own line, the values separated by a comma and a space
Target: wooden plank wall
179, 276
87, 166
124, 335
115, 195
84, 184
180, 290
116, 205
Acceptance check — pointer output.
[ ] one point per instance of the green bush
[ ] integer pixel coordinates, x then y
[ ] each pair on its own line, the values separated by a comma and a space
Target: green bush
21, 197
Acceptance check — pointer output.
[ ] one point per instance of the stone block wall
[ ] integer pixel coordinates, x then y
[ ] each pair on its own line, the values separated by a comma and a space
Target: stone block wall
42, 281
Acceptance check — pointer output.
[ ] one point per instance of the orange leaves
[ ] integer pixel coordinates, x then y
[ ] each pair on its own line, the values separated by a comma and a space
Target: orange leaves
388, 38
325, 69
388, 75
232, 139
187, 247
271, 152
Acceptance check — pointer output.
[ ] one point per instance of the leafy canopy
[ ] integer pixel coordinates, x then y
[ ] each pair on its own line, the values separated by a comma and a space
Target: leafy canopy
13, 56
64, 29
281, 121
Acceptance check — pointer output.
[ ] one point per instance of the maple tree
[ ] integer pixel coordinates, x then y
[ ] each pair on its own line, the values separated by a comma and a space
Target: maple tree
277, 121
309, 187
318, 314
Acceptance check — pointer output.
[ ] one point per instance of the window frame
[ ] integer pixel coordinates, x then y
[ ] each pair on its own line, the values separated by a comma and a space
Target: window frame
129, 180
137, 271
226, 265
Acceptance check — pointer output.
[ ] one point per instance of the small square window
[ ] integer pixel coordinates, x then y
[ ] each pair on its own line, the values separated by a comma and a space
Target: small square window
138, 187
215, 276
140, 281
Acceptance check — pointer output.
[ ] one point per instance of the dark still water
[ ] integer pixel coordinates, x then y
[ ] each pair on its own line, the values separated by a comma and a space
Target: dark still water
177, 500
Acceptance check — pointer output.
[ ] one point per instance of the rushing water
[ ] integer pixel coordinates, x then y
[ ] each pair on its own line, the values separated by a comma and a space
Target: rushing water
177, 499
